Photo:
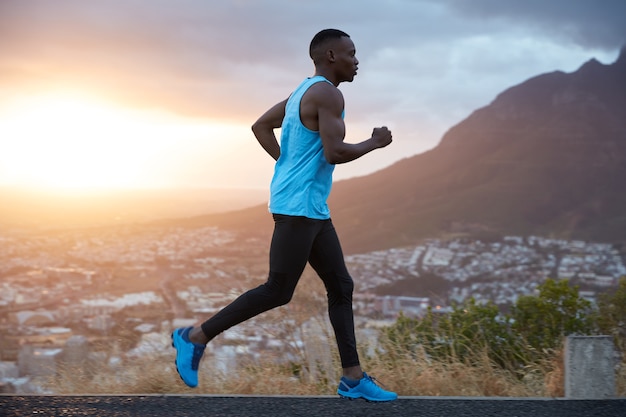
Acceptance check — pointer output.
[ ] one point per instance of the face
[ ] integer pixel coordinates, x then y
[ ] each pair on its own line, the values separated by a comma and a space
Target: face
345, 64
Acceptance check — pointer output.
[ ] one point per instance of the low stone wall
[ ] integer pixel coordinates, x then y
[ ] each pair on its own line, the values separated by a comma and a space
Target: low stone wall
589, 367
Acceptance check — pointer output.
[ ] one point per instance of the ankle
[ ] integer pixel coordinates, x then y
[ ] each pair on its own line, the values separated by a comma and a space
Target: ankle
354, 373
197, 336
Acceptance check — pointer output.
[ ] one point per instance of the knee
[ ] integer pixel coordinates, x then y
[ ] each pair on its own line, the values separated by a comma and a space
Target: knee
347, 287
340, 289
283, 298
278, 292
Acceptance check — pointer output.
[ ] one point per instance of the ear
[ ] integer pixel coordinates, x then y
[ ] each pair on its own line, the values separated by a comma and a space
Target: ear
330, 55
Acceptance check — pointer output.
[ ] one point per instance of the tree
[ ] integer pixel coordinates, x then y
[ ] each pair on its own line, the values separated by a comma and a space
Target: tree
556, 312
612, 314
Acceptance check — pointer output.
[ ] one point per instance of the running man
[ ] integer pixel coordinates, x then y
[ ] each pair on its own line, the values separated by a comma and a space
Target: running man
311, 143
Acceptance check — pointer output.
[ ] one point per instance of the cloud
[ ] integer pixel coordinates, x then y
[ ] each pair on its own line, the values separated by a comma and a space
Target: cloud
192, 52
587, 23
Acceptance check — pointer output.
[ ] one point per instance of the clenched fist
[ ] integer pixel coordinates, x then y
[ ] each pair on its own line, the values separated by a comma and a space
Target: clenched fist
382, 136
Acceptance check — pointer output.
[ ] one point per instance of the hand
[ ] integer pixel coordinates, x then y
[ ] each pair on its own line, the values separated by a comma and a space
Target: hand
381, 136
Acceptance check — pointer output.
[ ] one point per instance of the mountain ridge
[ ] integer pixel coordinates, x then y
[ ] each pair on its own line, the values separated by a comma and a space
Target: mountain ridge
541, 140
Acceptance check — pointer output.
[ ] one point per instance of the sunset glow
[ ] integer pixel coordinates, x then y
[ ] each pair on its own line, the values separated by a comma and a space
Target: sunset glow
73, 142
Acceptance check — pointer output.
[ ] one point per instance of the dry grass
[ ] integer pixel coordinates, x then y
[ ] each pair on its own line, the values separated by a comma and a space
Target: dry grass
416, 374
620, 379
406, 374
156, 374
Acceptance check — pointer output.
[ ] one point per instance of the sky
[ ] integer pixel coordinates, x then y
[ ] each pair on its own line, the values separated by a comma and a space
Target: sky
161, 93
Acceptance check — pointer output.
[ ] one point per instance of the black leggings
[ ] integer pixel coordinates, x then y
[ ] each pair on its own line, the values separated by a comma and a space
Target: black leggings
295, 241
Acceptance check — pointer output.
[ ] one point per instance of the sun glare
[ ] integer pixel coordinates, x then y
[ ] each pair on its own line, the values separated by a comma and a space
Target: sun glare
70, 142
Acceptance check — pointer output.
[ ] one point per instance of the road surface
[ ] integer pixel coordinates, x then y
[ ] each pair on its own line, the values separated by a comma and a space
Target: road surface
283, 406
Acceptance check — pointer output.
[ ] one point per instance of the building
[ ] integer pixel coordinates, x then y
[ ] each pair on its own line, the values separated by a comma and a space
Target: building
391, 306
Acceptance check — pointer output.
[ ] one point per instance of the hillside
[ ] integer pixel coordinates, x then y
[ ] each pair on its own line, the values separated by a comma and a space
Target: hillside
546, 157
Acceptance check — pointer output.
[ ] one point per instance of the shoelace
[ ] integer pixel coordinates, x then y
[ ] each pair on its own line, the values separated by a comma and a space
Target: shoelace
375, 381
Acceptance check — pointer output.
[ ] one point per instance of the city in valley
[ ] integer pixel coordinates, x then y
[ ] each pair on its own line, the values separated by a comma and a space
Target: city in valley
119, 291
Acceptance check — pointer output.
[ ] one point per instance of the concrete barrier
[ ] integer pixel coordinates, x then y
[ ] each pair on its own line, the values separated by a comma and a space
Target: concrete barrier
589, 367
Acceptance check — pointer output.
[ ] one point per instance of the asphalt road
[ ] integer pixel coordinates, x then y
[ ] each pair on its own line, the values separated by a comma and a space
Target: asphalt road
242, 406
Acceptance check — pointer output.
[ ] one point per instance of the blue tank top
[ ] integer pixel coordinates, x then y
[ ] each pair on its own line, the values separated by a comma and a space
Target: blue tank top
302, 177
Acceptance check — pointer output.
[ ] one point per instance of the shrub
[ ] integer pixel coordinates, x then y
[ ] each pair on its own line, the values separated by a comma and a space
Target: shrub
468, 332
612, 315
534, 330
556, 312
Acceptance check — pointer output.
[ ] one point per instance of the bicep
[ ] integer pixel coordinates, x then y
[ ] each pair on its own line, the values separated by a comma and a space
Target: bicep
331, 125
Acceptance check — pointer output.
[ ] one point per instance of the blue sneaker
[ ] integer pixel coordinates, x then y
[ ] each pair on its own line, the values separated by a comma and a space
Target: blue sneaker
366, 388
188, 356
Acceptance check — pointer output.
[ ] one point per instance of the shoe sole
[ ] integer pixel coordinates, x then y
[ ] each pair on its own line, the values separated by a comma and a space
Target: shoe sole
364, 398
175, 364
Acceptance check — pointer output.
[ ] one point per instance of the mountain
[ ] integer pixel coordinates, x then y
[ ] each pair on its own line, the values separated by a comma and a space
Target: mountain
546, 157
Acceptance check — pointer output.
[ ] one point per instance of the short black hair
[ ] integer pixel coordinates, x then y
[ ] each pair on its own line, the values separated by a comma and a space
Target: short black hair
321, 37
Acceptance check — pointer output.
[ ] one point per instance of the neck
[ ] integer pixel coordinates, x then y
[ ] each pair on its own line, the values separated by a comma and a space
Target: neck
328, 75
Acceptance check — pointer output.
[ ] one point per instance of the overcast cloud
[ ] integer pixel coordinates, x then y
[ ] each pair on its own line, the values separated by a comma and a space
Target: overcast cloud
424, 64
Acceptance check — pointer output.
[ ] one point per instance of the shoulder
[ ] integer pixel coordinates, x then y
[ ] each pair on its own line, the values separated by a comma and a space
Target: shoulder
324, 94
323, 87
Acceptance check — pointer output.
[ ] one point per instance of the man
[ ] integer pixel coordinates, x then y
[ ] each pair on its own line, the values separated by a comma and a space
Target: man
312, 142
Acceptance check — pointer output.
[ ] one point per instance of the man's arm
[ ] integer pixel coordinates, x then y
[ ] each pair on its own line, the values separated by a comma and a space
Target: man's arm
264, 129
332, 129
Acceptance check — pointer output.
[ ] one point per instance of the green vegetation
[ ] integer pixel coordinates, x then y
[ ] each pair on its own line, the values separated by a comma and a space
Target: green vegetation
522, 343
558, 311
612, 315
536, 325
464, 335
